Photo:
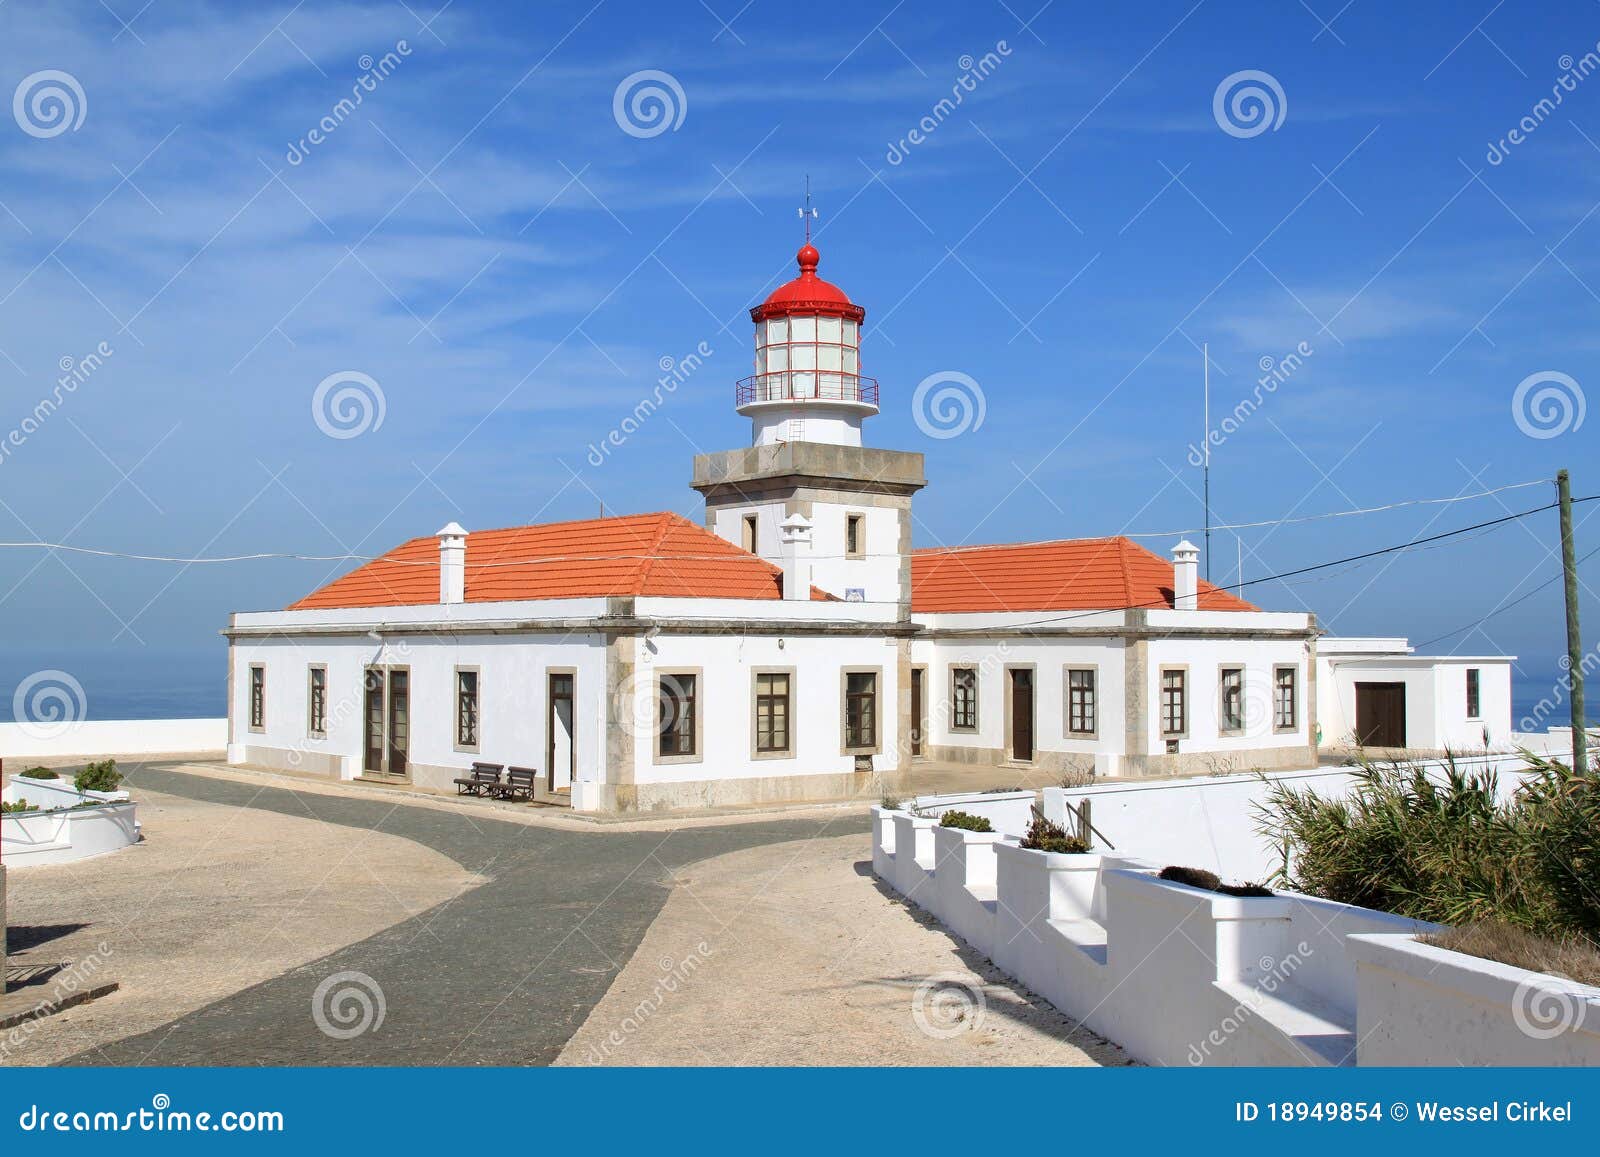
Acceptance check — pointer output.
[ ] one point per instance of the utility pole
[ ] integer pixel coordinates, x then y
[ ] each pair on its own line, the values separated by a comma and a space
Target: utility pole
1569, 570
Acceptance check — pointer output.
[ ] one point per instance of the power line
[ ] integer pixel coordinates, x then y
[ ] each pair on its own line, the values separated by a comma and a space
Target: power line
262, 556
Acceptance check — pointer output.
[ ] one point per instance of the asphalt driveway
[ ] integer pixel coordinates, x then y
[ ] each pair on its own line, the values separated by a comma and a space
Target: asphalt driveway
503, 974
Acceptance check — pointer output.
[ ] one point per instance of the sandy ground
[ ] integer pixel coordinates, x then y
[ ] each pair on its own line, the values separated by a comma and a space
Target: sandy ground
214, 900
792, 954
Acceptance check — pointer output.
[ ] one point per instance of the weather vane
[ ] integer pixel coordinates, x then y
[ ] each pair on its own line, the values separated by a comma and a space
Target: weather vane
808, 213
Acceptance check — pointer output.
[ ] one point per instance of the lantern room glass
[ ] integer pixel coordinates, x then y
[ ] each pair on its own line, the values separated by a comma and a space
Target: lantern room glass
808, 356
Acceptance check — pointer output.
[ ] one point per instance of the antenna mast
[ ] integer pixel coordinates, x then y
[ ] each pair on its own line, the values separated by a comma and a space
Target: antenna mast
808, 214
1205, 358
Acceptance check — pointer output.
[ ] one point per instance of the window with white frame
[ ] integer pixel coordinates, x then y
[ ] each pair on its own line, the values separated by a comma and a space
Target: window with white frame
964, 698
1231, 708
467, 708
317, 702
1285, 696
1082, 708
772, 711
1174, 702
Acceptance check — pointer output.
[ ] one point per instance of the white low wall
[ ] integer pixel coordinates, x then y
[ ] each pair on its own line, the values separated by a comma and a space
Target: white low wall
1181, 976
1009, 811
1210, 821
97, 738
30, 839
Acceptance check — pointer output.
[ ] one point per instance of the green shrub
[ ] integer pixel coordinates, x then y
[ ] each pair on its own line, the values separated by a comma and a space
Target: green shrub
1044, 836
966, 821
40, 773
102, 776
1446, 850
21, 805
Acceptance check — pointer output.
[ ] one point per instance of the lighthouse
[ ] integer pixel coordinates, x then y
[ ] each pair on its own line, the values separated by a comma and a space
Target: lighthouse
807, 494
807, 385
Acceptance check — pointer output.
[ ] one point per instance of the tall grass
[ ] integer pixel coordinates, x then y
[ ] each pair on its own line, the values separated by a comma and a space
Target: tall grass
1439, 846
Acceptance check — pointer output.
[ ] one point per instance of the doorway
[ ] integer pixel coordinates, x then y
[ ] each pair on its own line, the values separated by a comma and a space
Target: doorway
387, 718
560, 746
919, 677
1381, 714
1021, 691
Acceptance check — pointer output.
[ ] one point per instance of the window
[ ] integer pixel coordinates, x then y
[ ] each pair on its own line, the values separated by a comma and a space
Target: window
1285, 711
466, 709
317, 702
1231, 717
750, 523
964, 698
1174, 708
676, 710
854, 536
860, 709
772, 711
258, 698
1474, 696
1081, 707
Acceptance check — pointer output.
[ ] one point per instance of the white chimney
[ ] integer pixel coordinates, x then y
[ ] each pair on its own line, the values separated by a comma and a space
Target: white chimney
1186, 576
453, 564
794, 537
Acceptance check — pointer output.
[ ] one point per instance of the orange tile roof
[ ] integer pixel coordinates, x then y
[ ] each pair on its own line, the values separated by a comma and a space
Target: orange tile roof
662, 555
1087, 574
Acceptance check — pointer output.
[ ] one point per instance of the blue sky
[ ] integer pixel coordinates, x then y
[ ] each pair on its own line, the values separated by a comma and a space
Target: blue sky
483, 240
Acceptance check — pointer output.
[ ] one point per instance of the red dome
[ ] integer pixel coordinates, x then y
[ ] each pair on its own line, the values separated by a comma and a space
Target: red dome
807, 293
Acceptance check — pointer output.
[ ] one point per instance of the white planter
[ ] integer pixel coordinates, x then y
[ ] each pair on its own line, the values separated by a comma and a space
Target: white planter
913, 856
1421, 1005
883, 843
964, 884
30, 839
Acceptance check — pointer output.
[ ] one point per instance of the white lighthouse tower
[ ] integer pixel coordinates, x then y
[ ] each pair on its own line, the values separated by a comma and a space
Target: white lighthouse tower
806, 467
808, 385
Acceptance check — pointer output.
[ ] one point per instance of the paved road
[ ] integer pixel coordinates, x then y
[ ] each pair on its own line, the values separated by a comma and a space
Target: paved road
502, 975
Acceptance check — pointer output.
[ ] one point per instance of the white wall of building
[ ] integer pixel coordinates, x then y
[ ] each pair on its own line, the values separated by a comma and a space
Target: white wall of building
1436, 693
726, 667
512, 692
877, 573
1204, 659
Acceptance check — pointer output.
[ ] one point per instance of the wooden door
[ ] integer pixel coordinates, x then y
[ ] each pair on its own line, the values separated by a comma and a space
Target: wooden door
1022, 714
399, 721
372, 758
1381, 714
560, 748
918, 678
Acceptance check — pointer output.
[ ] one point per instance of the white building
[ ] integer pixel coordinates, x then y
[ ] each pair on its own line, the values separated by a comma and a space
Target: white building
794, 648
1377, 693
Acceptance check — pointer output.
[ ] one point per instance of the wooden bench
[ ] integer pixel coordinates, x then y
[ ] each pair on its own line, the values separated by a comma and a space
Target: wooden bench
519, 783
484, 780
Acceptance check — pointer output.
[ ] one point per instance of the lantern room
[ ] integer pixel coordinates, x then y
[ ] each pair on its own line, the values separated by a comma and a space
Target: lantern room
808, 385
